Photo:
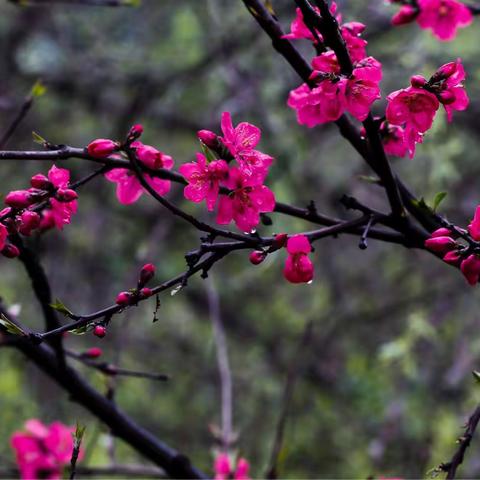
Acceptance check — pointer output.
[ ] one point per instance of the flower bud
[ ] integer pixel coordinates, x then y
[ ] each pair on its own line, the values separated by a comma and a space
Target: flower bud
19, 199
405, 15
100, 331
123, 299
41, 182
66, 195
146, 292
208, 138
445, 71
257, 257
146, 274
280, 240
417, 81
102, 147
440, 244
441, 232
94, 352
135, 132
470, 268
10, 251
446, 97
28, 221
452, 258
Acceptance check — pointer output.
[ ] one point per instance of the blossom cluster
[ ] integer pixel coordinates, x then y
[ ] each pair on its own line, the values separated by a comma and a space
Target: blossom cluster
411, 111
42, 451
225, 469
442, 17
459, 247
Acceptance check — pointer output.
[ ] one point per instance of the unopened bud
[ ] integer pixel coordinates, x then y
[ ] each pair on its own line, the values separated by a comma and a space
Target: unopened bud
40, 181
257, 257
146, 274
405, 15
446, 97
135, 132
146, 292
123, 299
208, 138
417, 81
440, 244
102, 147
93, 353
28, 221
19, 199
99, 331
66, 195
10, 251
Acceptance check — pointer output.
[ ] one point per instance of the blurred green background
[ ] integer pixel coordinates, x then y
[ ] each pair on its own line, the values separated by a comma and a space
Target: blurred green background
384, 384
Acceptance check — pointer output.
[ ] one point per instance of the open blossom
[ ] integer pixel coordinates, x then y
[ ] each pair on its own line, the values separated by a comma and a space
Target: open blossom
247, 199
443, 17
393, 138
241, 142
129, 188
224, 470
334, 93
61, 211
350, 32
204, 179
42, 451
298, 266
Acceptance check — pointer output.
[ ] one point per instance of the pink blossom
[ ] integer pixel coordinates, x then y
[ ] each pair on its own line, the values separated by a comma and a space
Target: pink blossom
101, 147
298, 266
334, 93
61, 211
414, 109
42, 451
247, 199
151, 157
406, 14
203, 179
224, 470
241, 142
443, 17
393, 138
440, 244
474, 227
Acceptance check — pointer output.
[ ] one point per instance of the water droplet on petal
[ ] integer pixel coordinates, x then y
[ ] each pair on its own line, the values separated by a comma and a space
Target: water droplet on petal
310, 282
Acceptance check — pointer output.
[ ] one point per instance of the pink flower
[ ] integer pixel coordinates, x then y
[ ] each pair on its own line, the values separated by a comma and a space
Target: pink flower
393, 138
61, 211
474, 227
245, 202
406, 14
203, 179
151, 157
224, 471
241, 142
102, 147
42, 451
414, 109
335, 93
450, 89
443, 17
298, 267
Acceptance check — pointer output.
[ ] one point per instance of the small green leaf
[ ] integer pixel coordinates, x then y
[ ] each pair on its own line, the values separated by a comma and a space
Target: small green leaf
476, 375
369, 179
437, 200
209, 154
61, 308
38, 89
78, 434
38, 138
11, 327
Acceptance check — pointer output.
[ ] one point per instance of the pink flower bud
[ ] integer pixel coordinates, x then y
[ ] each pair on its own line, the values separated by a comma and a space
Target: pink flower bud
446, 97
417, 81
124, 299
28, 221
405, 15
19, 199
146, 273
40, 181
66, 195
441, 232
452, 258
102, 147
146, 292
94, 352
135, 132
100, 331
10, 251
208, 138
446, 71
257, 257
440, 244
470, 268
280, 240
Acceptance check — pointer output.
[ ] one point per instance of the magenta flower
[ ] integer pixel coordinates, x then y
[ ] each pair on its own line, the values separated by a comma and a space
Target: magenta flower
203, 179
61, 211
414, 109
224, 470
470, 268
42, 451
247, 199
102, 147
443, 17
129, 188
241, 142
393, 138
298, 266
335, 93
474, 227
406, 14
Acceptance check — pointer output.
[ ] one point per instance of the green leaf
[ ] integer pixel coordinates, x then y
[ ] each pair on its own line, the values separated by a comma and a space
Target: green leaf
83, 329
209, 154
38, 138
476, 375
60, 307
78, 434
38, 89
11, 327
437, 200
